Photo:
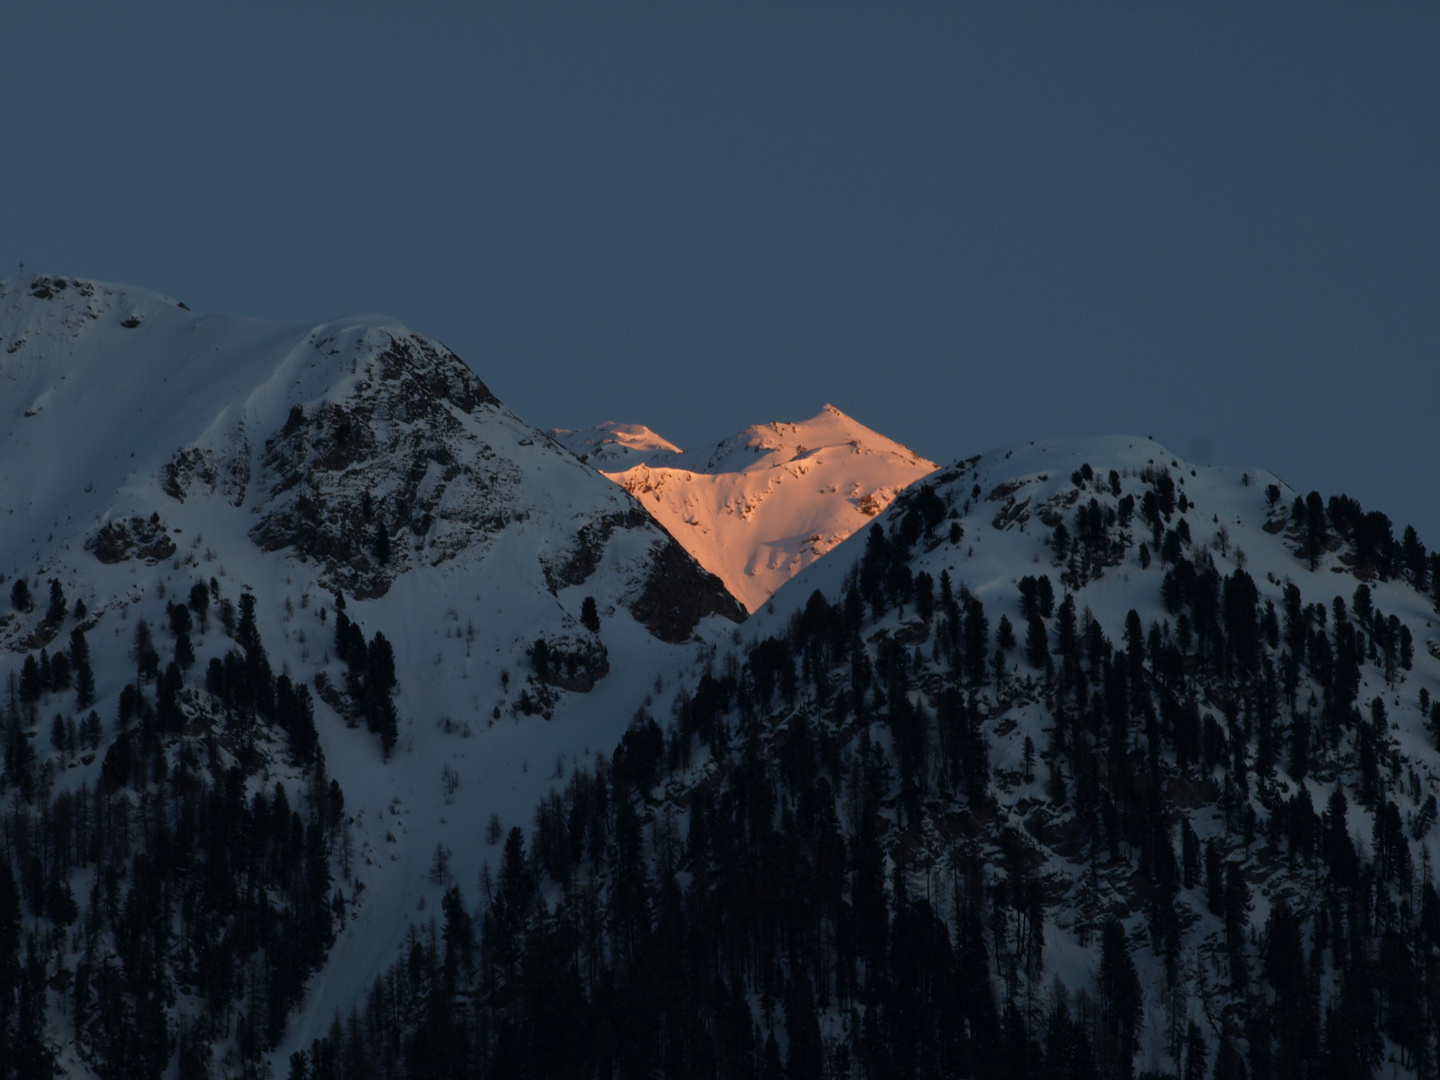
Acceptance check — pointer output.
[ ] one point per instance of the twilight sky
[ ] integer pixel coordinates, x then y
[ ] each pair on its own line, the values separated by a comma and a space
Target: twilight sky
965, 226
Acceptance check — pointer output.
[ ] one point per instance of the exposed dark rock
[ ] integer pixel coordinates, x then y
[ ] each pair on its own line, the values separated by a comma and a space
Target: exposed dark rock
580, 562
1006, 489
572, 664
138, 538
228, 474
43, 634
1055, 509
385, 457
336, 698
1012, 512
437, 371
679, 593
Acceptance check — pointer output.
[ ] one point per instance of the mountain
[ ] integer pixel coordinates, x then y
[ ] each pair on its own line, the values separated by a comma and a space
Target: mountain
614, 448
760, 506
356, 729
356, 447
1080, 761
287, 555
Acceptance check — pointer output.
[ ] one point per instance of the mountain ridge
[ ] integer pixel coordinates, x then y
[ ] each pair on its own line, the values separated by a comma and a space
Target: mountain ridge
330, 434
1182, 815
1074, 759
762, 504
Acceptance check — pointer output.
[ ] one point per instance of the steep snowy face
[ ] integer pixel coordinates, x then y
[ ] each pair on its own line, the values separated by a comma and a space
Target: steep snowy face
989, 519
760, 506
356, 447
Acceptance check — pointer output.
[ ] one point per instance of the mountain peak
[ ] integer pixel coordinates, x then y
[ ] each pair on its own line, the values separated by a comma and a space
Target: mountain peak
774, 444
357, 448
614, 445
760, 505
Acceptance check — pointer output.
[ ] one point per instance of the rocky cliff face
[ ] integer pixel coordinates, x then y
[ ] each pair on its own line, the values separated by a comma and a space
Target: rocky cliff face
679, 593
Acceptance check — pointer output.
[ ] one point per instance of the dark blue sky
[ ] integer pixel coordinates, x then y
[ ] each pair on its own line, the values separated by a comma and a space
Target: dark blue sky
965, 226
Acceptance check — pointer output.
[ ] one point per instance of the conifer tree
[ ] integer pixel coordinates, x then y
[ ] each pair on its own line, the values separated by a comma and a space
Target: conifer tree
1037, 643
589, 616
30, 685
80, 663
1005, 634
248, 635
1121, 999
1195, 1051
55, 613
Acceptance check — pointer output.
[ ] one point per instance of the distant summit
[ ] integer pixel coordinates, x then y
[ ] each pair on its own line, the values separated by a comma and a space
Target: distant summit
616, 445
757, 508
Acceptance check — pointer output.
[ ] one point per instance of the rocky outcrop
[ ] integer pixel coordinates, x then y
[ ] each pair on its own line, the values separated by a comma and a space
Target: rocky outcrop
146, 539
570, 663
373, 480
679, 593
227, 474
588, 548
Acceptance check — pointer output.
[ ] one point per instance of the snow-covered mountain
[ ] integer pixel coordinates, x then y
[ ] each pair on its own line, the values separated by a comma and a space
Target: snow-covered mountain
1160, 725
614, 448
161, 468
355, 726
357, 448
1079, 762
760, 506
